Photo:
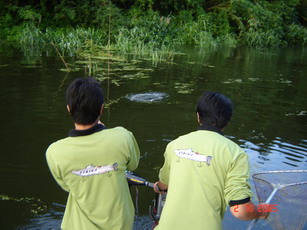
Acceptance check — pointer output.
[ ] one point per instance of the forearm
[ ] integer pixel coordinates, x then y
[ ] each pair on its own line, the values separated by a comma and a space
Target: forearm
247, 211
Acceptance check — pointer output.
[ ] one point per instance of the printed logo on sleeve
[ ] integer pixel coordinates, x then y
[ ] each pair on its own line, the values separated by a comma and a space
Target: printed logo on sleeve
191, 155
94, 170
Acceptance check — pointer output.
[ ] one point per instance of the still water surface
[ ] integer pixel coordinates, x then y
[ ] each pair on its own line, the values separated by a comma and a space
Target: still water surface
268, 89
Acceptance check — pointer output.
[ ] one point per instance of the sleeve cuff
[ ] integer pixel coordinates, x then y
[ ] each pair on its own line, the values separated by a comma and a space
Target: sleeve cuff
237, 202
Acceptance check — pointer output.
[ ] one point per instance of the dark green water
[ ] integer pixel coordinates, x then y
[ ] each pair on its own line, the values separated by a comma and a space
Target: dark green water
268, 89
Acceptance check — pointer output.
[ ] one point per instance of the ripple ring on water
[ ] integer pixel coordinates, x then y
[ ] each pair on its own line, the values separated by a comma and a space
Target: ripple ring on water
150, 97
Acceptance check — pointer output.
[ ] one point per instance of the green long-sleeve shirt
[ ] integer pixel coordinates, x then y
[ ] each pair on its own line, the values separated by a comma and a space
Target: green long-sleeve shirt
96, 200
204, 171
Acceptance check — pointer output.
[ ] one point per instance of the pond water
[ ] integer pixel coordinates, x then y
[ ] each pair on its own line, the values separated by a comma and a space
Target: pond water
267, 86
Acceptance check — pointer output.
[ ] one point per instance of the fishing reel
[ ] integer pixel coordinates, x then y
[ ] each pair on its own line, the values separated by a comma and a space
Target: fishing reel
156, 208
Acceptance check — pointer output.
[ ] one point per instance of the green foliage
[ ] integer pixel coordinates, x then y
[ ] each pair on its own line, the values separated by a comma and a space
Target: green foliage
210, 29
302, 12
5, 26
296, 35
27, 13
167, 7
147, 25
144, 5
65, 13
31, 36
146, 34
71, 40
257, 24
6, 20
96, 13
218, 23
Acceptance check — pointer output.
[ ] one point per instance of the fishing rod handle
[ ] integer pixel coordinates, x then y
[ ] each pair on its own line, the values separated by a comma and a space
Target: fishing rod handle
149, 184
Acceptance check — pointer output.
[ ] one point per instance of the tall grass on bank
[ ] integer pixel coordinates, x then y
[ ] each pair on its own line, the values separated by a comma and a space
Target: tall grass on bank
68, 40
31, 36
240, 22
137, 42
71, 41
208, 30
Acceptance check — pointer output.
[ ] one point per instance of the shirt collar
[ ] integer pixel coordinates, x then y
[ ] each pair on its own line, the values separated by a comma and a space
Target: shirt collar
94, 129
210, 128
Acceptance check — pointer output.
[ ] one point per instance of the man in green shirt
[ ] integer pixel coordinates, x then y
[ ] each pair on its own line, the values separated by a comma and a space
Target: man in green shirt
90, 164
204, 172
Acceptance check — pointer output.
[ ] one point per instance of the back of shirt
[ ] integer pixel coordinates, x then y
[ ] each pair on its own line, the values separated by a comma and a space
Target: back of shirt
92, 169
204, 171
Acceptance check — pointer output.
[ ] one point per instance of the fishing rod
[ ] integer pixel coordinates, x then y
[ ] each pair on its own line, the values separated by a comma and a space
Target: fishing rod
133, 179
155, 209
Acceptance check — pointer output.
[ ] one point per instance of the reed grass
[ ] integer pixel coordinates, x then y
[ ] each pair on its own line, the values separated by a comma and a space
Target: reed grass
31, 36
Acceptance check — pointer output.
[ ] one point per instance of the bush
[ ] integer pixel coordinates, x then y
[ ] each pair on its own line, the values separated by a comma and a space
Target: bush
257, 24
134, 26
296, 34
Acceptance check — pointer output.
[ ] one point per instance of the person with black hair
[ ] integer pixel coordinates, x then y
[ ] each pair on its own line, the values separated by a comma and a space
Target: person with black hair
204, 171
90, 164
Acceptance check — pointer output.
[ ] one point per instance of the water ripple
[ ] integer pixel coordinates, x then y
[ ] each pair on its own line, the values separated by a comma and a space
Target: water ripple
150, 97
265, 157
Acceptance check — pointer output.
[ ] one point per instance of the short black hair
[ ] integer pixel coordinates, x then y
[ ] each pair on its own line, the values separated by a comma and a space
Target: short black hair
214, 109
84, 97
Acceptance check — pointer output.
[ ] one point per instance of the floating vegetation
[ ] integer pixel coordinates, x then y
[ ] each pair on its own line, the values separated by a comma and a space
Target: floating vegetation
281, 80
102, 61
184, 88
191, 63
230, 81
70, 70
210, 66
109, 58
36, 206
150, 97
138, 75
106, 64
111, 102
253, 79
301, 113
284, 81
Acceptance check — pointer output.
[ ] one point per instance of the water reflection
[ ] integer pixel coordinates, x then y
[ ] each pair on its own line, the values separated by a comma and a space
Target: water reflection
277, 155
51, 220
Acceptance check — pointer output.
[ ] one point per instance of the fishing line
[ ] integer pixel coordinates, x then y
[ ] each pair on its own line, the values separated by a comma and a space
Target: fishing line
136, 206
136, 201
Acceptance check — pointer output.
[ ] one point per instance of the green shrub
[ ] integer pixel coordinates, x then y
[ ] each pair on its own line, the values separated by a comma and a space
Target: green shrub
296, 34
257, 25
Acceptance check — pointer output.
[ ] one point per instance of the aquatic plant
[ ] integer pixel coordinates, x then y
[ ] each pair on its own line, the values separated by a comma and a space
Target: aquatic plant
72, 39
31, 36
36, 206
